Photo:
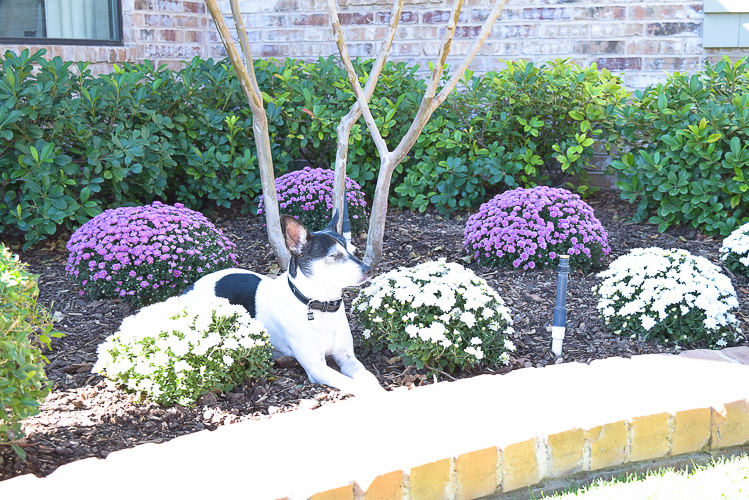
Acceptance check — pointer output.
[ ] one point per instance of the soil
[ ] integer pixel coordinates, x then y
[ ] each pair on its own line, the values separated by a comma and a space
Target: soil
87, 416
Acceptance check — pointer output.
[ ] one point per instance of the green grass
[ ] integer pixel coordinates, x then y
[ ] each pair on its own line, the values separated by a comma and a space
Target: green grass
725, 479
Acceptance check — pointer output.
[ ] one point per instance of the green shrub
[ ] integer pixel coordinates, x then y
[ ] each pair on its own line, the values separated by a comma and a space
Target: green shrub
177, 350
23, 325
306, 102
688, 161
73, 145
523, 126
436, 315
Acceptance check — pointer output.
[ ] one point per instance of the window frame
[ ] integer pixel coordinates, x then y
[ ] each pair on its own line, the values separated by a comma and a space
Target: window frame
119, 42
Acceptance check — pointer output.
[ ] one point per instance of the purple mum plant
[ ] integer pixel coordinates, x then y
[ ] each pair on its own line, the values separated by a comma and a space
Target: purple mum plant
308, 195
532, 227
146, 254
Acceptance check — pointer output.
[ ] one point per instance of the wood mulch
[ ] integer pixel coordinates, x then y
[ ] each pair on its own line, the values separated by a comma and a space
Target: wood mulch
87, 416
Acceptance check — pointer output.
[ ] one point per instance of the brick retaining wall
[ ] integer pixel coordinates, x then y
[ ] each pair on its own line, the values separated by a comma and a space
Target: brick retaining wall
641, 38
487, 435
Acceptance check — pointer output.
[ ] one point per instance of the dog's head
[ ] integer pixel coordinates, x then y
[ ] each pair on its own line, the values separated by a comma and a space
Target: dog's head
322, 255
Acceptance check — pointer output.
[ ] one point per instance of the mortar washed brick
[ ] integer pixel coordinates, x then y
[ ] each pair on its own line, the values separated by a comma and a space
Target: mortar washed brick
440, 441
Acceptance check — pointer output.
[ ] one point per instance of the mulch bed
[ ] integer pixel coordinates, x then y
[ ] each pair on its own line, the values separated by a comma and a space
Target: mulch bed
87, 416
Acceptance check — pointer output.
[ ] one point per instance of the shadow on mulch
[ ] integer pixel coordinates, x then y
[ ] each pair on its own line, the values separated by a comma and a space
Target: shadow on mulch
86, 416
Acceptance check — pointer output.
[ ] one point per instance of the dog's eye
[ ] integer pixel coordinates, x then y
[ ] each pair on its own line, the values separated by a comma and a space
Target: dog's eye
338, 256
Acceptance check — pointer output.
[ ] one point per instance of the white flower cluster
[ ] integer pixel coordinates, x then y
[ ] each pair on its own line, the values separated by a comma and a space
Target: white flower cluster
463, 302
735, 250
175, 339
652, 286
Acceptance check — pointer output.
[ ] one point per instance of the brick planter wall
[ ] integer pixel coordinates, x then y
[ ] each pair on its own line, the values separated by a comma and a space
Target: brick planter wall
641, 38
488, 435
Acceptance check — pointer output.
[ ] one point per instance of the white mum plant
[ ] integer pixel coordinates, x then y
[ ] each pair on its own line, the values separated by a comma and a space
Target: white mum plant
436, 315
668, 295
735, 250
177, 350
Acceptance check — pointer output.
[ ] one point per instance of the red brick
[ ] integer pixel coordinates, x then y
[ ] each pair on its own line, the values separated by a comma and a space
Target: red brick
265, 21
656, 12
143, 5
600, 47
171, 36
610, 30
167, 5
480, 15
669, 29
672, 63
619, 63
548, 13
361, 49
194, 7
406, 18
441, 16
195, 36
406, 49
365, 34
286, 6
565, 30
599, 13
270, 50
502, 31
309, 19
654, 47
283, 35
417, 33
467, 31
348, 18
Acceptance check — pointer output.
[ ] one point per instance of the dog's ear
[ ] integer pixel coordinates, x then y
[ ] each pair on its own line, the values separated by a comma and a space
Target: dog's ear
297, 236
333, 221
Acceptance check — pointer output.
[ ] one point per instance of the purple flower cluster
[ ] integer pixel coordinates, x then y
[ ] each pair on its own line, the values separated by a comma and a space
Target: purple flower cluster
146, 254
532, 227
308, 195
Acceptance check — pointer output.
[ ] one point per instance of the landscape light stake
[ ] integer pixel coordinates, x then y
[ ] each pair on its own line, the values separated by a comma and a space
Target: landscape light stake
560, 311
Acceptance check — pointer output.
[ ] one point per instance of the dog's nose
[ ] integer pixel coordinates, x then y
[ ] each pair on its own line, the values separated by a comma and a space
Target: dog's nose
367, 270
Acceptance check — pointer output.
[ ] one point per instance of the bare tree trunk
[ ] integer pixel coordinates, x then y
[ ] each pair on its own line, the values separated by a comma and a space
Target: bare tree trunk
429, 103
259, 123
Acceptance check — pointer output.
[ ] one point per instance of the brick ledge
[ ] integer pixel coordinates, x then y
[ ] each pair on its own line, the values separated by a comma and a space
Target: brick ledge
467, 439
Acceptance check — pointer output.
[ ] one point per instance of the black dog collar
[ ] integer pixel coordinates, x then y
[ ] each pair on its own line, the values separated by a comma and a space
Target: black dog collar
327, 306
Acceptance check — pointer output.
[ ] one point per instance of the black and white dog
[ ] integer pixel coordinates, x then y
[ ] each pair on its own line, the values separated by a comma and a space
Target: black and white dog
302, 309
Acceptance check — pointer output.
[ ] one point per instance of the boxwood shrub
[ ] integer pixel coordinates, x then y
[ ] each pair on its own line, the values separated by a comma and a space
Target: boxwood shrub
24, 326
688, 158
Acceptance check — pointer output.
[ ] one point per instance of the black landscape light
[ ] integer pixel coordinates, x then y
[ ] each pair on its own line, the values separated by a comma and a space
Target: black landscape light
560, 311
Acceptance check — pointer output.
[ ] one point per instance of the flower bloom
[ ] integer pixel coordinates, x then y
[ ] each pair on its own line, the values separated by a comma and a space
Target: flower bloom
530, 227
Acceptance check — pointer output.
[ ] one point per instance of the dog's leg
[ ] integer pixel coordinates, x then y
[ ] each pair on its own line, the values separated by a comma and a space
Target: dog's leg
343, 354
352, 367
320, 373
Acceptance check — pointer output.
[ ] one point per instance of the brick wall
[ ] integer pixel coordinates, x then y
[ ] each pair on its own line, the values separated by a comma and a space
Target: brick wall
642, 38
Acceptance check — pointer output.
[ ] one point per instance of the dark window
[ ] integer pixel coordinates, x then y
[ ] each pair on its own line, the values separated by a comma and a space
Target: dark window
61, 22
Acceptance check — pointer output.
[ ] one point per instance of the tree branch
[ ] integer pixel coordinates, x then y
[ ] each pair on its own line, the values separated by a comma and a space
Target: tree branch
254, 99
486, 29
354, 81
428, 104
259, 126
245, 45
347, 123
427, 107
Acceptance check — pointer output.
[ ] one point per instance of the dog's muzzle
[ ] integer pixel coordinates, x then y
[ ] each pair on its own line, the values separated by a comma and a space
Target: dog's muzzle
317, 305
